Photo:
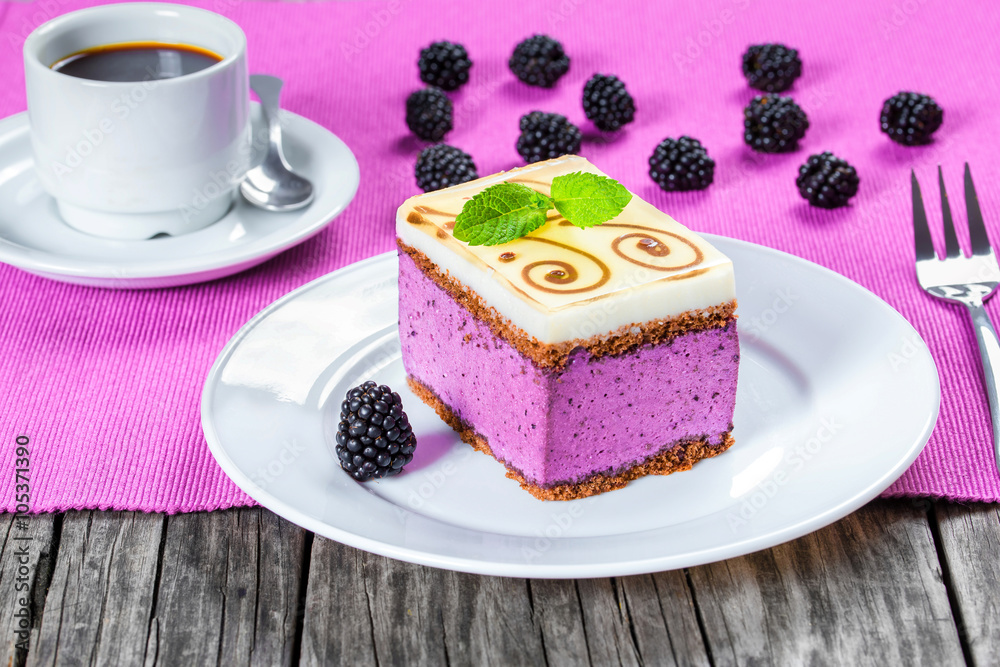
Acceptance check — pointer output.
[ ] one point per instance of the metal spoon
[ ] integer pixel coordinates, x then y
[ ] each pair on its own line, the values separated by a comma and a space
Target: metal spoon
272, 185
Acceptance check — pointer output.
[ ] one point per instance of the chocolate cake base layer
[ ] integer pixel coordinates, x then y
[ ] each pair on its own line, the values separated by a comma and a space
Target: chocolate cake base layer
545, 355
680, 456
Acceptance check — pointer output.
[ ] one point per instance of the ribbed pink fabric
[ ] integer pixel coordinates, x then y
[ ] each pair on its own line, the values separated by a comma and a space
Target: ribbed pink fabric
107, 383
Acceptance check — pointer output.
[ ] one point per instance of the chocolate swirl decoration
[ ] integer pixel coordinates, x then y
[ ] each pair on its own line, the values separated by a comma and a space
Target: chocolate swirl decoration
653, 246
562, 273
418, 216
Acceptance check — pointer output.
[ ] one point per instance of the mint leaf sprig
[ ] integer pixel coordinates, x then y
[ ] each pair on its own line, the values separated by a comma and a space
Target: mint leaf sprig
501, 213
508, 211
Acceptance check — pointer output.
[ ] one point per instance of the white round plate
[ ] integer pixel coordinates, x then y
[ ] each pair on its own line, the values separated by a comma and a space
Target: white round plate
837, 396
34, 238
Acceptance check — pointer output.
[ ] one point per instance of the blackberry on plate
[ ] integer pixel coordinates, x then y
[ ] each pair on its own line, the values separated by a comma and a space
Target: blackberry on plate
374, 438
539, 61
771, 67
681, 164
606, 102
429, 114
441, 165
547, 135
773, 124
827, 181
911, 118
445, 65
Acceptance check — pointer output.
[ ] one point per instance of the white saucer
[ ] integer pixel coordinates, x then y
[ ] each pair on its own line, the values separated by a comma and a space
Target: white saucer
837, 396
34, 238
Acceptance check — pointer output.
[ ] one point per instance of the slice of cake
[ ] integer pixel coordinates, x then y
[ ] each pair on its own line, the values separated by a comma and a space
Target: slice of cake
580, 359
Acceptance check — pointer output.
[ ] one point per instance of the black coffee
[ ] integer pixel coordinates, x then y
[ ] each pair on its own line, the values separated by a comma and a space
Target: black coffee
137, 61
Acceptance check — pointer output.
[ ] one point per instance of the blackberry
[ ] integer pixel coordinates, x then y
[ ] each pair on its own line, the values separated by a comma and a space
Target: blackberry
827, 181
773, 124
539, 61
444, 65
681, 164
374, 438
547, 135
441, 165
607, 103
429, 114
911, 118
771, 67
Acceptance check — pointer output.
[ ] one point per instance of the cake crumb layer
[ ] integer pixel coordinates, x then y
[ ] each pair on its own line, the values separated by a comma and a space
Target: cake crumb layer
555, 355
679, 456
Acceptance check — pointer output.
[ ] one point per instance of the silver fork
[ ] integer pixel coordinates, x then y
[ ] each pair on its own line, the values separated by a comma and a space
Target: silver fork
965, 280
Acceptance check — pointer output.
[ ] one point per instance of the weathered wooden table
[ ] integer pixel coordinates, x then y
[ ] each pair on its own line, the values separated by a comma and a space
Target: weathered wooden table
896, 583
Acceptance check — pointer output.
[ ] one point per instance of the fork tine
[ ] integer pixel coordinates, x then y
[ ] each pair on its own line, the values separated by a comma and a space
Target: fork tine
921, 233
977, 228
950, 239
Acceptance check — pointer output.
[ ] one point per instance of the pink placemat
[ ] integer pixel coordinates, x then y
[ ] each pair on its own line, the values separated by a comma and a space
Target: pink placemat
106, 384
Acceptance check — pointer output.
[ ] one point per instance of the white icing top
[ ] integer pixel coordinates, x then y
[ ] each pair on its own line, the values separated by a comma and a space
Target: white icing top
560, 282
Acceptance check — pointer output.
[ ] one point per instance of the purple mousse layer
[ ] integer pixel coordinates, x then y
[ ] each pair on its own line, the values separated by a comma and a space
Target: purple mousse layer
598, 415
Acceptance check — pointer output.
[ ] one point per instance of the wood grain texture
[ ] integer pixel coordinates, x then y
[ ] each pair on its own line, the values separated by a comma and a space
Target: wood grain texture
559, 615
970, 543
361, 607
24, 577
228, 590
100, 600
337, 628
607, 623
406, 605
664, 620
244, 587
867, 590
639, 620
487, 620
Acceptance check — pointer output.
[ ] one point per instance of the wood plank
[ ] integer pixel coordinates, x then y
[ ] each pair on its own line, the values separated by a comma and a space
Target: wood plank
281, 552
101, 596
337, 628
229, 581
559, 615
647, 619
359, 605
865, 591
664, 620
607, 623
970, 542
24, 577
405, 604
487, 620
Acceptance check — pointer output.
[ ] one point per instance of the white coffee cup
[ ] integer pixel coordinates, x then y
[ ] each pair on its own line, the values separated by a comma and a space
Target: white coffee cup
130, 160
